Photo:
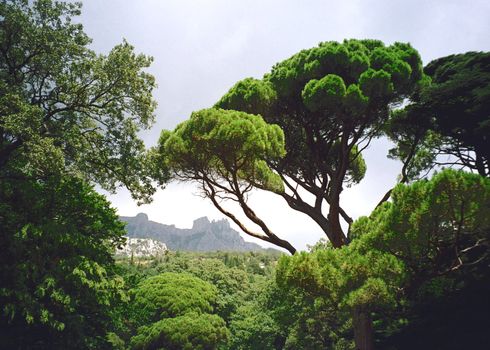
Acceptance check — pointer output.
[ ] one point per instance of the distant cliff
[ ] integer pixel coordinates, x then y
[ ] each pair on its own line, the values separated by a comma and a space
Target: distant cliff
204, 236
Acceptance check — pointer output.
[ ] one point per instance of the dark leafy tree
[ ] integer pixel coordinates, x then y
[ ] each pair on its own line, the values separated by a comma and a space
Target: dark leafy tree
448, 117
57, 279
68, 116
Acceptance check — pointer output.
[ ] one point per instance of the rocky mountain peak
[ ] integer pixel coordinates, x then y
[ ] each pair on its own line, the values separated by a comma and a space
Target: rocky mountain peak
201, 224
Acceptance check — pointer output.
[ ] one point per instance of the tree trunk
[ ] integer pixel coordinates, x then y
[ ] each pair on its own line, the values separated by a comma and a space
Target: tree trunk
363, 329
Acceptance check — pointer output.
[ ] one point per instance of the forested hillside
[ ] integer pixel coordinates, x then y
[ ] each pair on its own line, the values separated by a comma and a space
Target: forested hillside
412, 274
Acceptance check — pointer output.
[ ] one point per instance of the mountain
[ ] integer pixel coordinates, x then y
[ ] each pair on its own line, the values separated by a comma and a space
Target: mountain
141, 247
204, 236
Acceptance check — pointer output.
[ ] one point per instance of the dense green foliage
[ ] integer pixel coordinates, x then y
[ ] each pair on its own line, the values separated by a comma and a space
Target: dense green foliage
429, 244
189, 299
216, 145
330, 102
57, 283
307, 302
174, 311
187, 332
170, 295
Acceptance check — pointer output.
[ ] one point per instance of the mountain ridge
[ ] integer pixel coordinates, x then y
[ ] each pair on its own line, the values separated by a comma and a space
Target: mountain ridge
204, 236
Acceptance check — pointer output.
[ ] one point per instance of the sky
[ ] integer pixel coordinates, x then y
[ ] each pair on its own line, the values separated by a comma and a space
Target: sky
203, 47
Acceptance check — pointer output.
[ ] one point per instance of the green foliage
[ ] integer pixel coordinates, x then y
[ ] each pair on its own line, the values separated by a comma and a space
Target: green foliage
252, 327
349, 277
231, 283
187, 332
65, 108
56, 271
251, 95
173, 311
226, 153
439, 230
459, 98
327, 92
430, 223
171, 294
239, 279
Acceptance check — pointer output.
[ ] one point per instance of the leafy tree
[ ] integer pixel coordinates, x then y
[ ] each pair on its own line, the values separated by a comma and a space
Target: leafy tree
352, 280
67, 114
436, 227
252, 327
330, 101
449, 116
173, 294
57, 281
174, 312
232, 284
65, 108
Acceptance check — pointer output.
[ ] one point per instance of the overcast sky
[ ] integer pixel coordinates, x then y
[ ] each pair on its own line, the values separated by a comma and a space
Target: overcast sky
202, 47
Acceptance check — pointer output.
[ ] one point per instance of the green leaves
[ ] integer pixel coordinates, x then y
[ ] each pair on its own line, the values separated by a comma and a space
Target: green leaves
349, 277
376, 84
66, 106
429, 222
188, 332
423, 234
249, 95
449, 114
330, 101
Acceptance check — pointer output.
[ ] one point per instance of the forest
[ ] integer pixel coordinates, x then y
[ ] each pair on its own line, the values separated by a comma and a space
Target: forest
414, 274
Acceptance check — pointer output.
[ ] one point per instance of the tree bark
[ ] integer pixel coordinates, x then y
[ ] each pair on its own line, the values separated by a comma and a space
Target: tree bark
363, 329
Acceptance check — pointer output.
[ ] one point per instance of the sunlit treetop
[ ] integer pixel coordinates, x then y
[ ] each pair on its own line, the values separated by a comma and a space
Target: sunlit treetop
174, 294
344, 78
220, 143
